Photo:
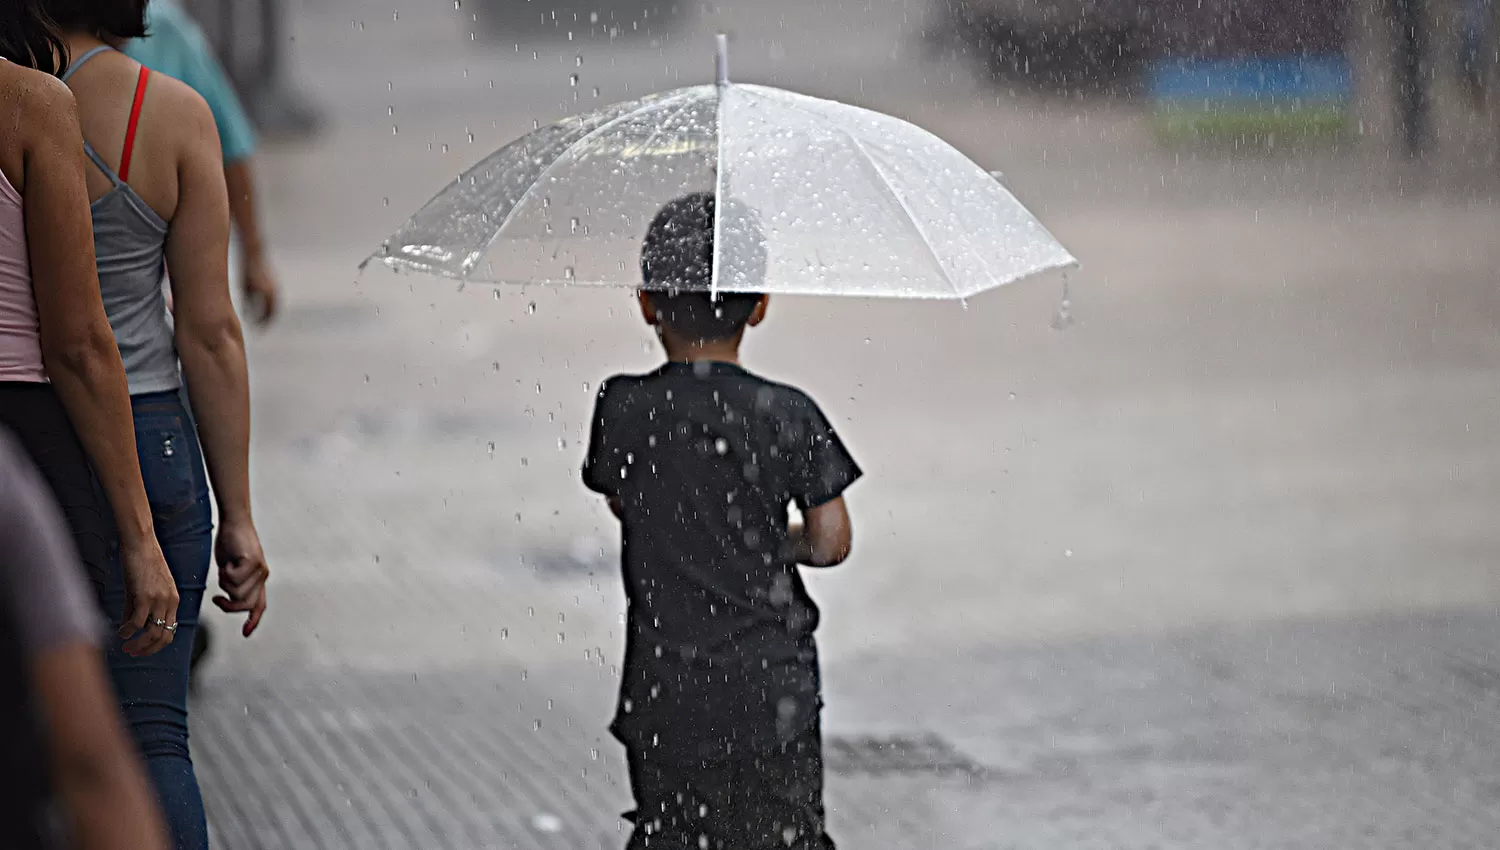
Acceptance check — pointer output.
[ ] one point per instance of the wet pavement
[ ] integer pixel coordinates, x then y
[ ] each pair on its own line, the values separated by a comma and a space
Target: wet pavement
1214, 567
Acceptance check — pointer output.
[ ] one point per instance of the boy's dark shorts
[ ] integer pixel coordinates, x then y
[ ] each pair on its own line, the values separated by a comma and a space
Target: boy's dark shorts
770, 800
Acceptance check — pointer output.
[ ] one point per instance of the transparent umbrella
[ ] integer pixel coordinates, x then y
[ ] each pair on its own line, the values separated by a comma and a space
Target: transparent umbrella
823, 199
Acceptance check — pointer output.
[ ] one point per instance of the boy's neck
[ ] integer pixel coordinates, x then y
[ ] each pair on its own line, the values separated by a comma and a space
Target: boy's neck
701, 351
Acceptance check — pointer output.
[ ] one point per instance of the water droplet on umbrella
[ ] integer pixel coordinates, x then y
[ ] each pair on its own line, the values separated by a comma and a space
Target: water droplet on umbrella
569, 273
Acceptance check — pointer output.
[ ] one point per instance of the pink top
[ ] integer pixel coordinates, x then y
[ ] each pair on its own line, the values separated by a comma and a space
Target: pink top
20, 331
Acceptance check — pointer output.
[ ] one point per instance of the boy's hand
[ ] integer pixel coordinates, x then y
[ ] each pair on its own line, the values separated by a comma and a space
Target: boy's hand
614, 507
824, 537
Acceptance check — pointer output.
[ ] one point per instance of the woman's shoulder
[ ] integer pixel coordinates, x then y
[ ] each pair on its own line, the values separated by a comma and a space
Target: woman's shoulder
38, 105
38, 98
179, 107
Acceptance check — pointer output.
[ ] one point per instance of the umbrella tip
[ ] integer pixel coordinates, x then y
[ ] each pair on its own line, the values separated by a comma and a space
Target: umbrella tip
722, 62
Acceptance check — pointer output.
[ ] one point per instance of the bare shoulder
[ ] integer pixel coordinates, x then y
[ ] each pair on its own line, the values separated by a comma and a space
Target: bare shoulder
43, 104
179, 107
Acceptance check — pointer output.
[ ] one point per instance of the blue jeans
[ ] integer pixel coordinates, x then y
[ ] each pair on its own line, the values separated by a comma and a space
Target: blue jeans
153, 692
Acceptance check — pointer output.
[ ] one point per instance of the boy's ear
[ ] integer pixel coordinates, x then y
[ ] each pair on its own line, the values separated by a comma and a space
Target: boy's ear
648, 310
758, 315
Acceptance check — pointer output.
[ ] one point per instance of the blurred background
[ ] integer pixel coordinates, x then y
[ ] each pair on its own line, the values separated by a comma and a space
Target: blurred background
1216, 566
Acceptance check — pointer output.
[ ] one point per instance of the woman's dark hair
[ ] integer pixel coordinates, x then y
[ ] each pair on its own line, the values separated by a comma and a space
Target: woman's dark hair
122, 19
29, 37
677, 263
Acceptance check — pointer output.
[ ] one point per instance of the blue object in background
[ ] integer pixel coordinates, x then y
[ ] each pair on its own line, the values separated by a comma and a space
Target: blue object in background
1268, 82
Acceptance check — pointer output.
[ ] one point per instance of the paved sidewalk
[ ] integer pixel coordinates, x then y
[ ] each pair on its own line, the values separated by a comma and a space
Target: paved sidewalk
1368, 734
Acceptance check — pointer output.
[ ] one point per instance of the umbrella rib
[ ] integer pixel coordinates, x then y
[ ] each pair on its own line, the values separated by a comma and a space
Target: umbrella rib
885, 184
526, 195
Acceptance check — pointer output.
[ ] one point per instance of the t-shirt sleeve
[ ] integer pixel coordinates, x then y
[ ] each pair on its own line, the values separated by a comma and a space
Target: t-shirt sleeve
822, 468
609, 457
41, 581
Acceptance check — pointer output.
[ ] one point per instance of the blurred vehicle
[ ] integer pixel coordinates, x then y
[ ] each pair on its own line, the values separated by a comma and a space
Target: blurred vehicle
596, 18
1069, 43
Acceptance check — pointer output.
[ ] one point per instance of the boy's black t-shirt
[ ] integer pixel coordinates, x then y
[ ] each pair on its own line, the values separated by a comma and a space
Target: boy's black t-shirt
705, 459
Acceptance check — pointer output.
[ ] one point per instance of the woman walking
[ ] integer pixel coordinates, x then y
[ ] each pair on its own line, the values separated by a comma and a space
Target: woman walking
62, 388
159, 202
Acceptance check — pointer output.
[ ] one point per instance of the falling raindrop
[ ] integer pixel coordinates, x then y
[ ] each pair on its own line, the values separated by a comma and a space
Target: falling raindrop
531, 309
385, 201
573, 80
505, 634
1064, 318
492, 448
495, 294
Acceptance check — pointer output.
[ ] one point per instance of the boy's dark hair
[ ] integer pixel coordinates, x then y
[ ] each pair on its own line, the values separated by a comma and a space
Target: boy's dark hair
677, 262
124, 19
29, 38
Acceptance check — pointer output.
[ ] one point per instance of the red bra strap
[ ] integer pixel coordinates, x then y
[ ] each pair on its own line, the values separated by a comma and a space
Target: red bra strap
135, 119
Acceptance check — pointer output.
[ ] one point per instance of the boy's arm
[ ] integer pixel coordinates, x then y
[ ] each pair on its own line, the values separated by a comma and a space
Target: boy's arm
614, 507
824, 537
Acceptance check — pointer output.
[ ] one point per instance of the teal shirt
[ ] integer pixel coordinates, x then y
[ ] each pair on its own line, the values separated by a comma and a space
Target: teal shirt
176, 46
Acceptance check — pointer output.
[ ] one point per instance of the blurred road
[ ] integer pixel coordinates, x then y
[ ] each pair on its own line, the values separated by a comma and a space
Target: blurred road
1213, 568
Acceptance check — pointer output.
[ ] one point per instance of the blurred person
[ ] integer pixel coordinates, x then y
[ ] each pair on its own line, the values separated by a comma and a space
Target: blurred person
176, 46
62, 385
720, 697
1476, 50
160, 205
65, 754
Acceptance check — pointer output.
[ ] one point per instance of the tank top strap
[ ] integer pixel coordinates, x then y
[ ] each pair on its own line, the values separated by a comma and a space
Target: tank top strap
83, 60
103, 166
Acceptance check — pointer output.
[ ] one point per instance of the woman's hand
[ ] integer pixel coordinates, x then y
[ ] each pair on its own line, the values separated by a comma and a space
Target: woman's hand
150, 601
242, 572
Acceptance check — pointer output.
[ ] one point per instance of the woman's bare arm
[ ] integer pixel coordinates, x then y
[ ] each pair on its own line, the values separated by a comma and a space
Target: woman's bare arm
79, 348
212, 348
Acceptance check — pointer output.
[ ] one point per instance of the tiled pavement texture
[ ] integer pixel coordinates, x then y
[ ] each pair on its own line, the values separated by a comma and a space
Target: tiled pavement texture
1376, 733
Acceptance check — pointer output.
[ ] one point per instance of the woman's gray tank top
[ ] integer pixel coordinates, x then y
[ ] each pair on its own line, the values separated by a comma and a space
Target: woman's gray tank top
130, 242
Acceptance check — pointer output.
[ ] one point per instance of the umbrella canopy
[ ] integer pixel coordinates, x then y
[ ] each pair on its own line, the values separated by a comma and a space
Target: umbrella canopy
823, 199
